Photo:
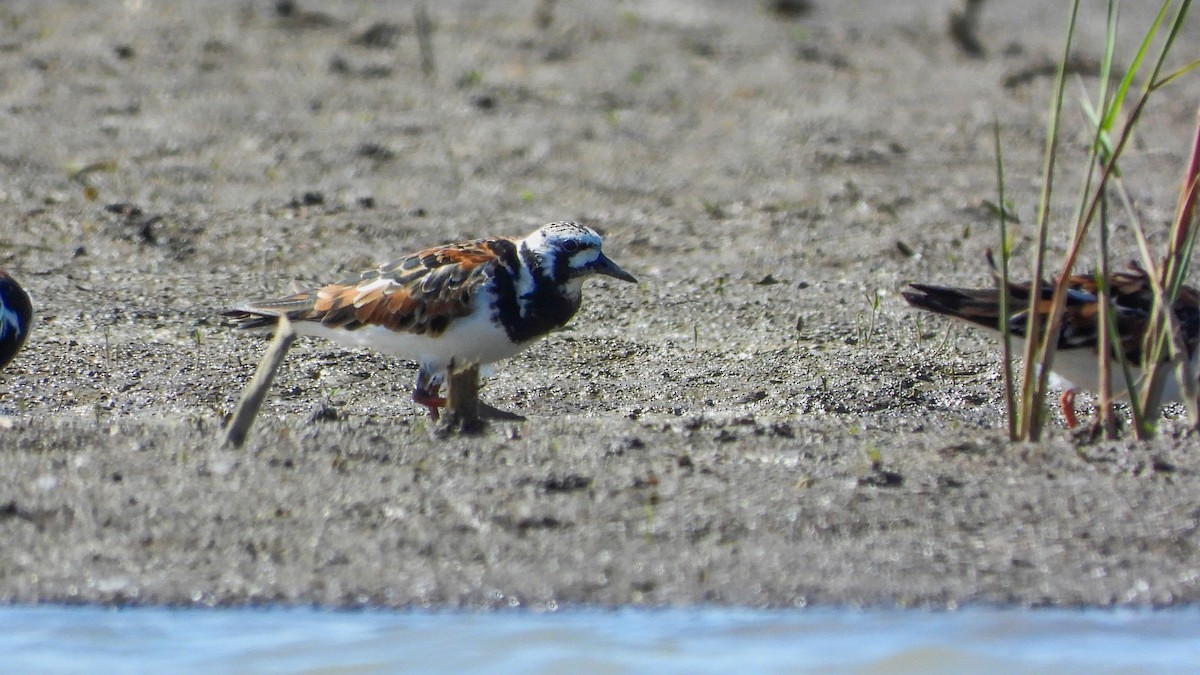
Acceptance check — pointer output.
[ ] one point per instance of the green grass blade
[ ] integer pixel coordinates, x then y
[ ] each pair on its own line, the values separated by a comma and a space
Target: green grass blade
1134, 67
1010, 402
1177, 74
1038, 347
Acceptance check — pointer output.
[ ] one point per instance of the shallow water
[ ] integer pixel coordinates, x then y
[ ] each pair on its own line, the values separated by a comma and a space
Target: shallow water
710, 640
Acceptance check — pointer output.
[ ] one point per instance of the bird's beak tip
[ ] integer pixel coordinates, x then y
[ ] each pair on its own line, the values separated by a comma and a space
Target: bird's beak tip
607, 267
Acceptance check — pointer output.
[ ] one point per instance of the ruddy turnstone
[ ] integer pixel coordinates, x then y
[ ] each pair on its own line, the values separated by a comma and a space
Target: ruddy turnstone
16, 313
1075, 363
476, 302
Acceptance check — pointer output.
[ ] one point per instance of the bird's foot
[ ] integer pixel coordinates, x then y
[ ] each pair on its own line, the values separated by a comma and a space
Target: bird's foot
429, 399
465, 413
494, 413
1068, 408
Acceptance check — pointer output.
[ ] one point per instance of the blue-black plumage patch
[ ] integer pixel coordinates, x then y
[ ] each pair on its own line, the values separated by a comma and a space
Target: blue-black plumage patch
16, 313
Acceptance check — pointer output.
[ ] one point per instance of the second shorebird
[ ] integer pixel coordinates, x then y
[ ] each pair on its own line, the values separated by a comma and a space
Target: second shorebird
476, 302
1078, 339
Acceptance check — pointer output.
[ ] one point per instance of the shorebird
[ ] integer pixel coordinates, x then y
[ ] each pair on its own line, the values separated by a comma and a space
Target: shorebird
1076, 365
475, 302
16, 314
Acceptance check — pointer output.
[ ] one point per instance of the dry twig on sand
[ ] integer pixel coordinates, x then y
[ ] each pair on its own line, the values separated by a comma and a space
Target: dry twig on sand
256, 391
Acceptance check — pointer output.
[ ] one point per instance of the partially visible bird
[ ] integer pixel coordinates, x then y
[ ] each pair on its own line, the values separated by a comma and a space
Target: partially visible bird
1075, 364
16, 315
475, 302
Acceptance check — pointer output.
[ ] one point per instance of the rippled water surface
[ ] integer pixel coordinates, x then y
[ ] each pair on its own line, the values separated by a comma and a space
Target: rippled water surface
85, 639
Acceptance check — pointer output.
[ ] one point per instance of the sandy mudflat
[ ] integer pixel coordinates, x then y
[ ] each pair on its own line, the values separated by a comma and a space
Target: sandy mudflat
705, 436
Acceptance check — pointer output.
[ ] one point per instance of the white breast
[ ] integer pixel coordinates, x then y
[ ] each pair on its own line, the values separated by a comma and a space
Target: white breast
1079, 368
474, 338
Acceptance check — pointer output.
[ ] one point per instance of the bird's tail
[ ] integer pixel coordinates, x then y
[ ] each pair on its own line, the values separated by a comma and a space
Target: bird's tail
980, 307
264, 314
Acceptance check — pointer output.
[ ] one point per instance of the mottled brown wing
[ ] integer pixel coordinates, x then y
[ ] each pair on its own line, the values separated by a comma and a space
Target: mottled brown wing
420, 294
1133, 298
1130, 289
1187, 313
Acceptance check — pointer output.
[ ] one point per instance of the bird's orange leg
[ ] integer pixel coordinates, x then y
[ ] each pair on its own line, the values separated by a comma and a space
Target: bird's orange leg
1068, 408
429, 398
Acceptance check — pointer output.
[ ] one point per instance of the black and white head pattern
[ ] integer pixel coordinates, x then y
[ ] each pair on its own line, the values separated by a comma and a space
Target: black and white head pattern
564, 251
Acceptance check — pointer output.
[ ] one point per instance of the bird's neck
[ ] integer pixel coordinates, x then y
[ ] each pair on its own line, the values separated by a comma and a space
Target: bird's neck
538, 304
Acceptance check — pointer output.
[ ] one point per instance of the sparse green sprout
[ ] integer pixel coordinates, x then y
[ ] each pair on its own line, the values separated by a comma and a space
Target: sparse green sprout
946, 337
198, 340
470, 79
80, 173
865, 327
648, 510
874, 456
1008, 210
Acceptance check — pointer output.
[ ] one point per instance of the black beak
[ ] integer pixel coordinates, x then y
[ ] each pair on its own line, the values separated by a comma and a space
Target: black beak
609, 268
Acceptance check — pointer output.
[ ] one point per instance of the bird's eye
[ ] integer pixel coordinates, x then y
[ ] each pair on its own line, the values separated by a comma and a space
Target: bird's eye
570, 246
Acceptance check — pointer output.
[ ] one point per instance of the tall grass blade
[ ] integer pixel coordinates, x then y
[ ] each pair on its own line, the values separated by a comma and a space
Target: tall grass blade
1037, 361
1134, 66
1101, 150
1168, 79
1153, 387
1183, 242
1010, 401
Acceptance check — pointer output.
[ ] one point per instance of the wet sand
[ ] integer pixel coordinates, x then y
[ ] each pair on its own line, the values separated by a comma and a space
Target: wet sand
707, 436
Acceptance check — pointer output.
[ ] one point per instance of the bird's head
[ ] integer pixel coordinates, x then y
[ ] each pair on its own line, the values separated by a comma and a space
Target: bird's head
566, 252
